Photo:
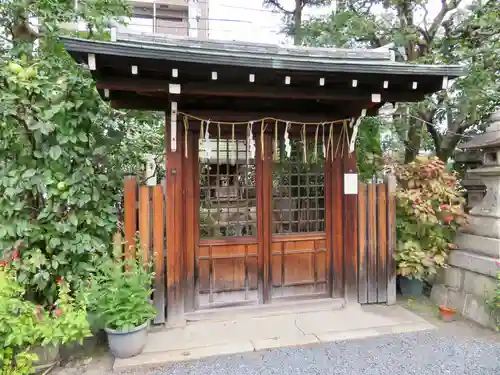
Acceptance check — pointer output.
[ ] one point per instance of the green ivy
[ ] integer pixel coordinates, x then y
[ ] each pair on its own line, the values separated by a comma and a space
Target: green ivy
58, 190
369, 149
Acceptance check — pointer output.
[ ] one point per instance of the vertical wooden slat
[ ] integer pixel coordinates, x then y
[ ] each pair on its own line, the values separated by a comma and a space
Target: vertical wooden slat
144, 223
372, 243
191, 219
382, 242
130, 208
175, 224
391, 240
350, 235
362, 257
337, 208
159, 253
264, 214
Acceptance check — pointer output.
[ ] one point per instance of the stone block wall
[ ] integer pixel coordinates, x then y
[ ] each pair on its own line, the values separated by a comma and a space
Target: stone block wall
466, 291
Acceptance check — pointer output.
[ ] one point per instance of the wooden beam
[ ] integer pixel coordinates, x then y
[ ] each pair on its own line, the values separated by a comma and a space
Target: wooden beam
213, 88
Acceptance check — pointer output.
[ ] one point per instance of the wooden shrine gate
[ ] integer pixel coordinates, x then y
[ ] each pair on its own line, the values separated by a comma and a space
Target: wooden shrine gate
299, 263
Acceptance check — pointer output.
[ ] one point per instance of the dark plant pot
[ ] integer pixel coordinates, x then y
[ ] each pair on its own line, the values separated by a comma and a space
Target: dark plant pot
126, 344
411, 287
447, 313
47, 357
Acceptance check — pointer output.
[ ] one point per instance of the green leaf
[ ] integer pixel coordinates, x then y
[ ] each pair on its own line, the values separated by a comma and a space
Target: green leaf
73, 219
29, 173
55, 152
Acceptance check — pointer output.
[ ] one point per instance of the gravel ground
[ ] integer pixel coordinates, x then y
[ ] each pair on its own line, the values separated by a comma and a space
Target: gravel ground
423, 353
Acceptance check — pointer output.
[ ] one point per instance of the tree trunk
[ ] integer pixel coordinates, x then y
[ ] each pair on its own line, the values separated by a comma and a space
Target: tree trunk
297, 33
412, 145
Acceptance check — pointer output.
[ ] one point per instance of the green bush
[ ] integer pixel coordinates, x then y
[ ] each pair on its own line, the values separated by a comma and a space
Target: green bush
25, 325
430, 209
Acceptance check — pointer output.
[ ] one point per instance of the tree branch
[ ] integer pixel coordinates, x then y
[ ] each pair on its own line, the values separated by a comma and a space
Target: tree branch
438, 20
276, 4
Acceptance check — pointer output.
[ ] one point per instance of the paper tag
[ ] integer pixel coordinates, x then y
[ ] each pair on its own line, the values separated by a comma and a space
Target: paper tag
350, 183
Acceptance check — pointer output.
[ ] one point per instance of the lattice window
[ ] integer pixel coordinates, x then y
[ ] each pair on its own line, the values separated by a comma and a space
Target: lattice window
298, 190
228, 204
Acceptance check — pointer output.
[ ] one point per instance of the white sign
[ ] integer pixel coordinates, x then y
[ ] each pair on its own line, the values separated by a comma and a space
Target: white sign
350, 183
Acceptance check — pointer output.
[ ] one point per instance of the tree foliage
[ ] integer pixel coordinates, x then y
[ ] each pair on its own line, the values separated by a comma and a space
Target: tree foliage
454, 35
293, 17
63, 151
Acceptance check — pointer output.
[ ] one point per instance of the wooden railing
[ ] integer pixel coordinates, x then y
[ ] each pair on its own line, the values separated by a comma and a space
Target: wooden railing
376, 239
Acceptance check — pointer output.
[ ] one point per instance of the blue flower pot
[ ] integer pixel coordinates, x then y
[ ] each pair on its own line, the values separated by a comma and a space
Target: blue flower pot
411, 287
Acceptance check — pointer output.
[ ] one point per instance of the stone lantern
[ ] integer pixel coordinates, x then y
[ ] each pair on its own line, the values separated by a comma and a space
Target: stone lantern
485, 216
470, 278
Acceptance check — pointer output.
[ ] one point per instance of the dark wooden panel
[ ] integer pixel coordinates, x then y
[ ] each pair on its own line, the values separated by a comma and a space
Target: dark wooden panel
350, 221
144, 222
191, 191
337, 207
299, 266
159, 253
130, 208
329, 224
372, 243
362, 256
227, 274
382, 242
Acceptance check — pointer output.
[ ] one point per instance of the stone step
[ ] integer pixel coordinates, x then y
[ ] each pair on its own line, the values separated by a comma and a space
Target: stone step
485, 265
276, 308
478, 244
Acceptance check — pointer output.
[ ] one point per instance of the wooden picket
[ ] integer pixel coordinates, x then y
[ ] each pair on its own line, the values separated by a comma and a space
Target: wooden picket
376, 239
144, 218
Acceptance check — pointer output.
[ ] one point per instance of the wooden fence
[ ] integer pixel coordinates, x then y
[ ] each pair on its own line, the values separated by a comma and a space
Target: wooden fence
144, 215
376, 240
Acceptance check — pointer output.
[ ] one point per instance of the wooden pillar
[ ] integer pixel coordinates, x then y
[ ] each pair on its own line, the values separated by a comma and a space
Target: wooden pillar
337, 218
263, 161
191, 182
350, 221
175, 204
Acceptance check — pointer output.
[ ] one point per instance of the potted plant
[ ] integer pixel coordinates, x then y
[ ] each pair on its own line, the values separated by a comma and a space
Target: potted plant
447, 313
429, 212
120, 297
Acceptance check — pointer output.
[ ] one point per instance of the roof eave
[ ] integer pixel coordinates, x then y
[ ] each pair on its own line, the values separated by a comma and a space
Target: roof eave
272, 61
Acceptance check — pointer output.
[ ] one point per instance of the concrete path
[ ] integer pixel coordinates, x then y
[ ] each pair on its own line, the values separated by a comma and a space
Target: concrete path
422, 353
259, 332
458, 348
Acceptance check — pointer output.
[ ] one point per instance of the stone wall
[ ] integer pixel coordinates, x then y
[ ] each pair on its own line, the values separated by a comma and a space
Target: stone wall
471, 278
466, 291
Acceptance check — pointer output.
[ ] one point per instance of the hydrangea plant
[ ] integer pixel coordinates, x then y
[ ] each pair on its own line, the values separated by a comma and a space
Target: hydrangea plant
430, 209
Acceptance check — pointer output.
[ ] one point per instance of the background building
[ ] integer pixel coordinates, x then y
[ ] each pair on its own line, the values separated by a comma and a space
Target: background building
173, 17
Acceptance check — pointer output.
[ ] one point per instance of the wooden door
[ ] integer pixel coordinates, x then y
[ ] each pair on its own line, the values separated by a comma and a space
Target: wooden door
299, 255
263, 232
226, 254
